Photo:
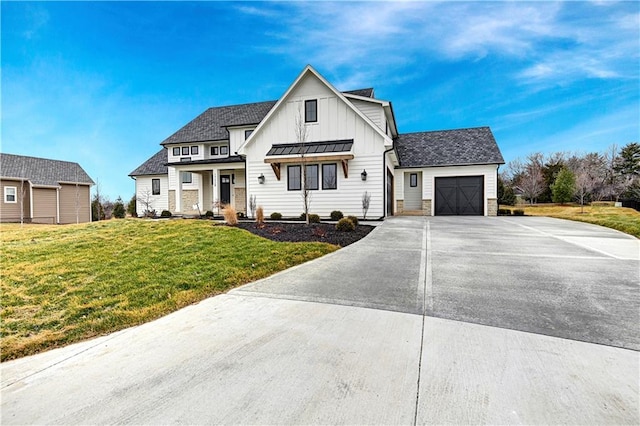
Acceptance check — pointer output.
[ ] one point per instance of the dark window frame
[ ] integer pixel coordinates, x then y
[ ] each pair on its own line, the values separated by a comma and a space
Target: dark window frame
413, 180
194, 150
176, 151
291, 187
214, 150
224, 150
307, 174
155, 186
184, 176
311, 114
247, 133
325, 183
185, 150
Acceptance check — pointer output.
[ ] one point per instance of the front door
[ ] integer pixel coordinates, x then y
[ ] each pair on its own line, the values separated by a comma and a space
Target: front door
225, 189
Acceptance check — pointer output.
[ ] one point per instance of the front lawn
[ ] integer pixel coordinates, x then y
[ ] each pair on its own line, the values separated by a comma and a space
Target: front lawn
63, 284
621, 218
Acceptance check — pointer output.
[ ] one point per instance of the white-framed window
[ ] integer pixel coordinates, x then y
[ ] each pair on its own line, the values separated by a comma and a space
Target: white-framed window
10, 194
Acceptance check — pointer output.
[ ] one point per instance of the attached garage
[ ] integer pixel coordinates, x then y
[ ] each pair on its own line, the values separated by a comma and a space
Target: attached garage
459, 195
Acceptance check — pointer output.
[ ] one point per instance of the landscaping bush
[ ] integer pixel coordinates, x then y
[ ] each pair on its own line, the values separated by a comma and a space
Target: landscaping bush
118, 209
504, 212
336, 215
353, 220
276, 216
518, 212
165, 213
303, 216
259, 215
208, 214
230, 215
345, 225
314, 218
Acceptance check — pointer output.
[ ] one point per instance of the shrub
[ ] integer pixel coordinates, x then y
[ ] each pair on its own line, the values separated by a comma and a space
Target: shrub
259, 215
165, 213
518, 212
353, 220
208, 213
118, 209
336, 215
276, 216
303, 216
131, 207
314, 218
504, 212
230, 215
345, 225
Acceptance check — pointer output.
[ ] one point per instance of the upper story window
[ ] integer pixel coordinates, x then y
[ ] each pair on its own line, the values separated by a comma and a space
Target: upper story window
185, 150
311, 111
247, 133
214, 150
155, 186
10, 194
194, 150
176, 151
186, 177
224, 150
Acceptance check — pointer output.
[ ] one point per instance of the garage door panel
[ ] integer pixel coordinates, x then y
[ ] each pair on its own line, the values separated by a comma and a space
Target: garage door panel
461, 195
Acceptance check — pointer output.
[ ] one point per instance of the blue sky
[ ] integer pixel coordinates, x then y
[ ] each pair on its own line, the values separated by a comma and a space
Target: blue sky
103, 83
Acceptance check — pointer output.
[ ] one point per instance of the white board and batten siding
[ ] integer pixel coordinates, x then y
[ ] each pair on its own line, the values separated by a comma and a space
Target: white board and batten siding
373, 110
144, 186
336, 121
488, 171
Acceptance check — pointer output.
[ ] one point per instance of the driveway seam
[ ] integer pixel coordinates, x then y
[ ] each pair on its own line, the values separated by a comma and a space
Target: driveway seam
424, 278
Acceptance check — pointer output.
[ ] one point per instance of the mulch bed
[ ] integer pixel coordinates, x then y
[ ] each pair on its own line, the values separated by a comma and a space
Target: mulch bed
301, 232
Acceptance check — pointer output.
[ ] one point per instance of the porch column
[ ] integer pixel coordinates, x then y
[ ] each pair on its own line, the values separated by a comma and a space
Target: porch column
179, 193
201, 191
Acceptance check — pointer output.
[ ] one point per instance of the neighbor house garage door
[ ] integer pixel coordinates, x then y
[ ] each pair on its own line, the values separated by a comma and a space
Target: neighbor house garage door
461, 195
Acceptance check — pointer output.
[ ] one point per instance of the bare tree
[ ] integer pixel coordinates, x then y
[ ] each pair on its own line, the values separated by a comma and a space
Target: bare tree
366, 200
302, 134
252, 205
531, 182
146, 200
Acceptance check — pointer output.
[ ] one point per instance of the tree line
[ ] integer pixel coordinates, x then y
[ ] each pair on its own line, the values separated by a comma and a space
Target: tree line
562, 177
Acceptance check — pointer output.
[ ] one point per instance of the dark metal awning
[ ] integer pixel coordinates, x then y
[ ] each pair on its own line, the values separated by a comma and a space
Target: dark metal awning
310, 152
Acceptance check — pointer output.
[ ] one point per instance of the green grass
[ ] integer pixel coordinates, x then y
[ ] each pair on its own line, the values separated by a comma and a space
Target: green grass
620, 218
63, 284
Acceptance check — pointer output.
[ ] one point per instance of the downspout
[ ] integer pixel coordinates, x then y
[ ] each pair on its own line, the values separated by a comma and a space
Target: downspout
384, 175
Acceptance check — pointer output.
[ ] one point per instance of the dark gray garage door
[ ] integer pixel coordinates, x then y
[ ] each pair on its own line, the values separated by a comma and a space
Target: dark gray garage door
461, 195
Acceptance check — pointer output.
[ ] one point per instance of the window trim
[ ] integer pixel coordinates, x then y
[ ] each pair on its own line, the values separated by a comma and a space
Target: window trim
317, 177
194, 150
185, 150
247, 133
176, 151
335, 176
413, 180
213, 150
307, 112
183, 176
224, 148
289, 186
153, 186
15, 194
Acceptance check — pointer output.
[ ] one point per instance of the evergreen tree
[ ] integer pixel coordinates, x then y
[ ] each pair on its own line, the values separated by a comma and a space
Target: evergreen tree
564, 187
118, 209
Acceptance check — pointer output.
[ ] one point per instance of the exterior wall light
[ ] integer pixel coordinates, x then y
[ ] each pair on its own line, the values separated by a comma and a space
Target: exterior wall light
261, 179
363, 175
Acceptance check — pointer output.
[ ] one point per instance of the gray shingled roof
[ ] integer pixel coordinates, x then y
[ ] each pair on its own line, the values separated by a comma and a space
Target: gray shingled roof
311, 147
211, 124
367, 93
448, 148
42, 171
156, 165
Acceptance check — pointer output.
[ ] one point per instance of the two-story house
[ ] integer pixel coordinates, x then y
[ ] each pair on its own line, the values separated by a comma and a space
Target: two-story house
346, 145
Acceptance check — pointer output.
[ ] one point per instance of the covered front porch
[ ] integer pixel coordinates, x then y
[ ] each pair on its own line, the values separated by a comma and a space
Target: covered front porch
199, 188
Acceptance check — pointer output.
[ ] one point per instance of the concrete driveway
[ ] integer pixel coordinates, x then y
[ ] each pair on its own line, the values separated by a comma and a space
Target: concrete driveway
528, 320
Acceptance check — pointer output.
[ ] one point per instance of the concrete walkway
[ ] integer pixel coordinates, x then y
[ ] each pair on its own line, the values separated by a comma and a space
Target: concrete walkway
343, 340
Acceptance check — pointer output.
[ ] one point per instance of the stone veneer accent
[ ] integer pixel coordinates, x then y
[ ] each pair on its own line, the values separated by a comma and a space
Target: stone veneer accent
492, 207
399, 206
189, 198
426, 207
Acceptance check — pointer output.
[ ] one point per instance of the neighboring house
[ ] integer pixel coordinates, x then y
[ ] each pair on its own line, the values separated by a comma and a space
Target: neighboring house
40, 190
228, 154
